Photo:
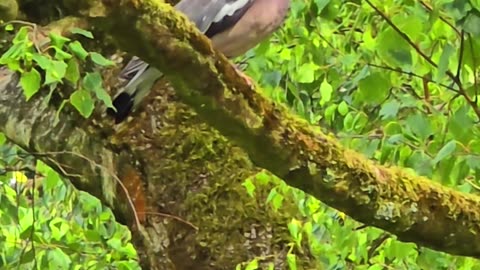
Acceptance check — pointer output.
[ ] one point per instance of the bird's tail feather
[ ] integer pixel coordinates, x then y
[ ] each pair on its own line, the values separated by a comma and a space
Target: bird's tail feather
133, 93
123, 104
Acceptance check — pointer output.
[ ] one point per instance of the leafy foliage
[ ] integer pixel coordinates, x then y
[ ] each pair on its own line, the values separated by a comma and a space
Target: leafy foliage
47, 224
59, 63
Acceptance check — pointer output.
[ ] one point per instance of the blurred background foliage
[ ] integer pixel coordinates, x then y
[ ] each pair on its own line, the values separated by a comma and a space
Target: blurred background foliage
396, 80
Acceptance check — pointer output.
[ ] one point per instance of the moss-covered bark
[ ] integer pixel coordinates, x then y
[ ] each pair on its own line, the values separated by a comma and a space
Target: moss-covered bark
195, 173
8, 10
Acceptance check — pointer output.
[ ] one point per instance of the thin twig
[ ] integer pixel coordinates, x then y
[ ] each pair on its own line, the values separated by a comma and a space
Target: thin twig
449, 73
429, 8
414, 75
376, 244
172, 217
474, 64
460, 56
117, 179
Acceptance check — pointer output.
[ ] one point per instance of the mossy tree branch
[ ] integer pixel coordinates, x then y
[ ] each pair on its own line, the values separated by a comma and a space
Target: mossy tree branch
412, 207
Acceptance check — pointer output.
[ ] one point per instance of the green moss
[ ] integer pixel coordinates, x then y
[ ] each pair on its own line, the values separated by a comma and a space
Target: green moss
8, 10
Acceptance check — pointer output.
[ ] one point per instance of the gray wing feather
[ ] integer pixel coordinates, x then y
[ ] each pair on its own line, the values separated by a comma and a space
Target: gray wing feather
132, 69
201, 12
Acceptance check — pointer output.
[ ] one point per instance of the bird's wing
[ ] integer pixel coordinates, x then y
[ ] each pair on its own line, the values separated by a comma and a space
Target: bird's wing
210, 17
214, 16
134, 67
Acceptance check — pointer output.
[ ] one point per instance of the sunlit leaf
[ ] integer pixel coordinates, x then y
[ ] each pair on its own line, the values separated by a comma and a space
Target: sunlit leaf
83, 102
100, 60
446, 151
82, 32
30, 82
93, 82
77, 49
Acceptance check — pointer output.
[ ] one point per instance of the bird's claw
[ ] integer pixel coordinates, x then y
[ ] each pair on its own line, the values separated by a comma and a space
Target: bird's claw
248, 80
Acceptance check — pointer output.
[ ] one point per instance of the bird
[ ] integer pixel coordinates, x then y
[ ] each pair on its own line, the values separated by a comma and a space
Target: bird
233, 26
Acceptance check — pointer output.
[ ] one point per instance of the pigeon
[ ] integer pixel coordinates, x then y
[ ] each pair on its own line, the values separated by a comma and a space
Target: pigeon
233, 26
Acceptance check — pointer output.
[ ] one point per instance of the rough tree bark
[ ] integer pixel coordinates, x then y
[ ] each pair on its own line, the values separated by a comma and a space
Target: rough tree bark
411, 207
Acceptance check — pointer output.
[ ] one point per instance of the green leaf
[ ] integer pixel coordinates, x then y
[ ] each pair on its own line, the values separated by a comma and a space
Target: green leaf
392, 128
420, 126
421, 163
43, 61
21, 47
3, 139
447, 52
21, 36
360, 121
57, 40
473, 161
275, 198
82, 32
55, 72
330, 113
30, 82
326, 91
292, 261
375, 267
373, 89
61, 54
249, 186
472, 24
294, 227
446, 151
77, 49
393, 49
57, 259
100, 60
93, 82
271, 195
306, 73
252, 265
348, 121
460, 125
343, 108
263, 178
321, 4
72, 73
52, 180
390, 109
83, 102
398, 250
